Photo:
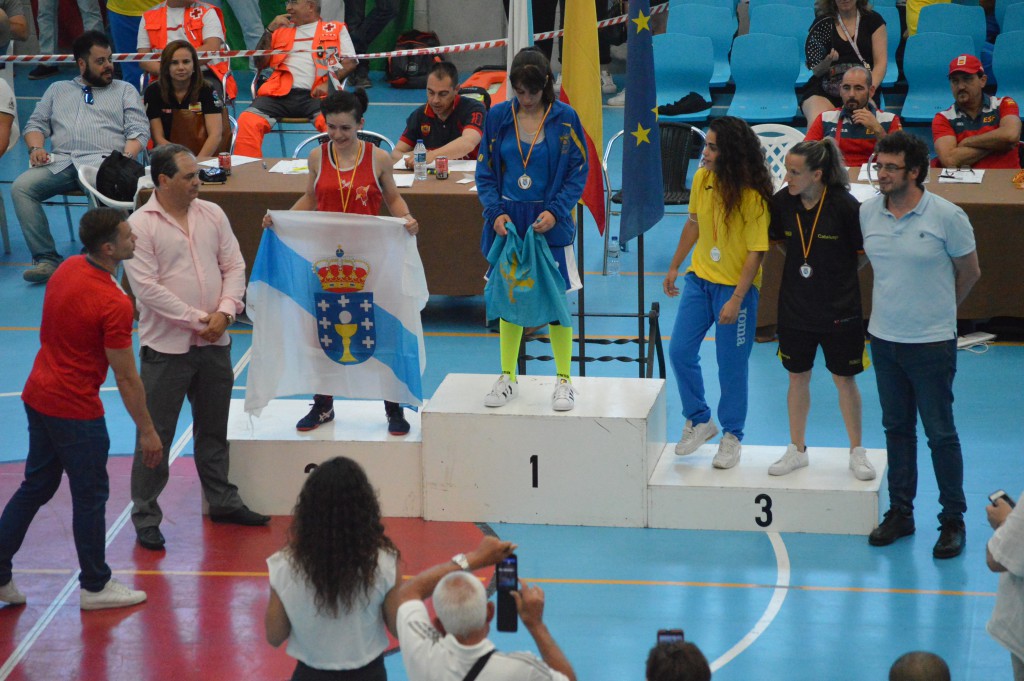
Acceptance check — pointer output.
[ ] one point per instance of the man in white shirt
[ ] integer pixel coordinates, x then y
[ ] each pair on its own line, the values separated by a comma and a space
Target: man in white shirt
315, 59
448, 648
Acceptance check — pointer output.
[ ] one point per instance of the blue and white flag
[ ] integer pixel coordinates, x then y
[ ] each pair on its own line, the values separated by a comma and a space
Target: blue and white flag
335, 302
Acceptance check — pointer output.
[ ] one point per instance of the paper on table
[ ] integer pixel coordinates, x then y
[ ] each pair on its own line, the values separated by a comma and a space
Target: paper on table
862, 192
460, 166
235, 161
400, 164
294, 167
957, 176
863, 175
404, 180
465, 180
473, 188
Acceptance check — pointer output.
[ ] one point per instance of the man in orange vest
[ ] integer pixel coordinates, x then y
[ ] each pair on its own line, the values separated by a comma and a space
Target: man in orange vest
312, 66
200, 24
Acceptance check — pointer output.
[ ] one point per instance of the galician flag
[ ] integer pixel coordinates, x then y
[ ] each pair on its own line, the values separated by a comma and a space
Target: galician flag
335, 302
581, 89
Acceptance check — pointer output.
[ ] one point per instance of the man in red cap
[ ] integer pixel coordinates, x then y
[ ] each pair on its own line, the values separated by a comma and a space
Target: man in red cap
978, 130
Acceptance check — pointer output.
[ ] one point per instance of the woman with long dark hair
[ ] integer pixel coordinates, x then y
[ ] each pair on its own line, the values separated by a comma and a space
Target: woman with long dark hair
327, 586
181, 94
727, 230
816, 222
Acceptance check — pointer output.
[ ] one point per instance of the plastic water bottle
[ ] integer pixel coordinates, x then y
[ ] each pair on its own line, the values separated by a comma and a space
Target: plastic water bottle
419, 160
613, 257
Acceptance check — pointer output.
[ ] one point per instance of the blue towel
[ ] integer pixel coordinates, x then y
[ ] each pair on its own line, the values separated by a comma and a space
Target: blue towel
524, 285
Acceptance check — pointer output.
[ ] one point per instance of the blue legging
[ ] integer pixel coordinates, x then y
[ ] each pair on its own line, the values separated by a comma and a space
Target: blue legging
698, 310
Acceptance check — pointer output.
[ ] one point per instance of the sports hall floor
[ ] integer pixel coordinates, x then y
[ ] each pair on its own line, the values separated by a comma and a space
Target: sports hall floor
794, 607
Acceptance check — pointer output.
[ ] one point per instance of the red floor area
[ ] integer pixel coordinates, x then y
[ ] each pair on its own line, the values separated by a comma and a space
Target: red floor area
207, 591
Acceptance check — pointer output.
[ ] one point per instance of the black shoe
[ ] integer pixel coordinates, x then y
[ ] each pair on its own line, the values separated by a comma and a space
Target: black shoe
360, 80
894, 525
321, 413
150, 538
42, 72
397, 425
241, 516
952, 537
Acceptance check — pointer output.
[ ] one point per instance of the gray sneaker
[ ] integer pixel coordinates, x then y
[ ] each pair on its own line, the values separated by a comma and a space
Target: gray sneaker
114, 595
9, 593
790, 461
728, 452
694, 436
40, 272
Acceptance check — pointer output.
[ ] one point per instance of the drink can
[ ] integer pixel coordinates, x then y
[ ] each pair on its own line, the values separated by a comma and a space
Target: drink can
441, 167
224, 161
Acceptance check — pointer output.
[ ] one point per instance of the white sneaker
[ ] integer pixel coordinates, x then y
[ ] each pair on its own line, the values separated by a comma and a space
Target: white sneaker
114, 595
790, 461
619, 52
502, 392
564, 397
558, 84
859, 464
728, 452
608, 86
694, 436
617, 100
9, 593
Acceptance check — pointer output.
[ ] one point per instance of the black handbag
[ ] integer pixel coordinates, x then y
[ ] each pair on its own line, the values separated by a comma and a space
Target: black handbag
118, 177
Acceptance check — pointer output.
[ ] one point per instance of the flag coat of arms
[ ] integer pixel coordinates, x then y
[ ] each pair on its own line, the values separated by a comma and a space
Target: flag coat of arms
335, 302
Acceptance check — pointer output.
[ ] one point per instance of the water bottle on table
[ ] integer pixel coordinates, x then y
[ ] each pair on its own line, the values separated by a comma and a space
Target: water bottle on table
419, 160
613, 257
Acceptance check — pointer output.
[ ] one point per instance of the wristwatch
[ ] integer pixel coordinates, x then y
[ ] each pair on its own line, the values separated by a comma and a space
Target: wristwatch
461, 560
31, 149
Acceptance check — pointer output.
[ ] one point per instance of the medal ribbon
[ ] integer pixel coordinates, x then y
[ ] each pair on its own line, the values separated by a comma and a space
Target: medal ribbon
810, 241
346, 195
519, 142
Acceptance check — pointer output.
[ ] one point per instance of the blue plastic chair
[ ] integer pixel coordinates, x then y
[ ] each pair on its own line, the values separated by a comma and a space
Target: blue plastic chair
786, 20
1002, 6
955, 20
716, 23
1013, 20
1008, 63
724, 4
892, 30
677, 77
926, 65
764, 68
807, 4
883, 3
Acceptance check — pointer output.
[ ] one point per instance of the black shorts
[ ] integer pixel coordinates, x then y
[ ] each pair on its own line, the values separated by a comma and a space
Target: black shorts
843, 349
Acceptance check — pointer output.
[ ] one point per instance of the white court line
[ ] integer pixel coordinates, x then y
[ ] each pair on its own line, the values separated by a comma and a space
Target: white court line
72, 583
774, 605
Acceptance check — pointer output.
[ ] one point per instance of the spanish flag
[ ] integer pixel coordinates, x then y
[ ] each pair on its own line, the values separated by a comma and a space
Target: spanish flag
581, 89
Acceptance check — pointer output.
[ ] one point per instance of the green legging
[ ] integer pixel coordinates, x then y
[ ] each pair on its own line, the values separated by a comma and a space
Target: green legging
561, 346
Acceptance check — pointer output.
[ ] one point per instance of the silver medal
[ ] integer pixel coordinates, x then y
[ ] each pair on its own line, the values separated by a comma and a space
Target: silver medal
716, 254
806, 271
525, 182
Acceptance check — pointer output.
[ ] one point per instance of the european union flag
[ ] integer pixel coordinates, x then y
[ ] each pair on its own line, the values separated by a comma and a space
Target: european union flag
643, 193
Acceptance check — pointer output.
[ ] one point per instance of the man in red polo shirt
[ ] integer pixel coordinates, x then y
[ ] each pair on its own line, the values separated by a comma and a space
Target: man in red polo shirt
977, 131
449, 125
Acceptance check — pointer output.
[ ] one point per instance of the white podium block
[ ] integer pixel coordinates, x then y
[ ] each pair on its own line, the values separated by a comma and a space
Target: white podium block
686, 492
526, 463
269, 457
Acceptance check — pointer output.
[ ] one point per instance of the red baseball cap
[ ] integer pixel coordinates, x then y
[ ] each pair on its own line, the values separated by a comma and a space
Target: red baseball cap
965, 63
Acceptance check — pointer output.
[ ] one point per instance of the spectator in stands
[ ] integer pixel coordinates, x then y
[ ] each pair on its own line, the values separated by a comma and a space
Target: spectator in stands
679, 661
816, 223
1005, 555
978, 130
13, 23
46, 18
858, 38
364, 29
451, 645
249, 20
924, 259
300, 79
858, 123
181, 94
85, 119
327, 586
727, 231
198, 23
919, 666
124, 17
449, 125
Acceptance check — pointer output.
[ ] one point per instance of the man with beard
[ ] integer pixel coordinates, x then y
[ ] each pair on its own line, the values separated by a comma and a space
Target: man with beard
858, 123
978, 130
449, 125
85, 118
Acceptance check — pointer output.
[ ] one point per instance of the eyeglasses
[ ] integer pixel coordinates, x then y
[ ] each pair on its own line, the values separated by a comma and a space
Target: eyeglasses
887, 167
87, 95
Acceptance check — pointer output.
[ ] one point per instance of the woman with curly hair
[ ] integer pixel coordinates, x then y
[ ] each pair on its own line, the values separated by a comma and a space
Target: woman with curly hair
727, 230
327, 586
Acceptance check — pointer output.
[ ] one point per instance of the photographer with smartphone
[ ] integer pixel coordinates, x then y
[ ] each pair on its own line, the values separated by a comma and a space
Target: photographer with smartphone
1005, 555
454, 645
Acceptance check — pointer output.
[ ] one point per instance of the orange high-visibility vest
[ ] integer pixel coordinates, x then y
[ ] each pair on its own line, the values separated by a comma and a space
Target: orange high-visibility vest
192, 22
326, 46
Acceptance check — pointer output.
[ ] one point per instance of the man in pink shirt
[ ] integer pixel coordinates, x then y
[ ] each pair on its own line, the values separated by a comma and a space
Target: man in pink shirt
188, 277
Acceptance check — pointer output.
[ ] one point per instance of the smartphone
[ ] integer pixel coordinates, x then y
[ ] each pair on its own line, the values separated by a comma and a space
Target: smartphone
508, 581
1000, 494
670, 636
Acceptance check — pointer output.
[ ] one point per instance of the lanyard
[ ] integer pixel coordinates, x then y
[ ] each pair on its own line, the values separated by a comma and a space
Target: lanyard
519, 142
806, 246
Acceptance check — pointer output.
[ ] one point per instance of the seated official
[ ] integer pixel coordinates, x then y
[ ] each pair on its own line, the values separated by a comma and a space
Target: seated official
313, 63
858, 123
977, 131
182, 107
449, 125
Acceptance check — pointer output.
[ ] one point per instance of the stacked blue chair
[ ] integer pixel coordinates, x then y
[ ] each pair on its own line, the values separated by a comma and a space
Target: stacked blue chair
1013, 20
716, 23
1008, 64
892, 30
806, 4
677, 77
955, 20
788, 21
724, 4
764, 68
1002, 6
926, 66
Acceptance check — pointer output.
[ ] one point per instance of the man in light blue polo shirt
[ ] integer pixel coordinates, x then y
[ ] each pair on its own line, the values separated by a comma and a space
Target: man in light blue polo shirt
922, 251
